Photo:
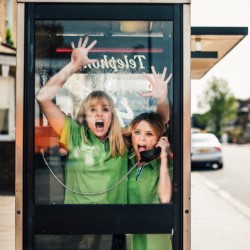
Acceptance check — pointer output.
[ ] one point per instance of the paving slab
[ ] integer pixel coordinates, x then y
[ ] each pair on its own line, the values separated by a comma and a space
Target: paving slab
7, 222
216, 223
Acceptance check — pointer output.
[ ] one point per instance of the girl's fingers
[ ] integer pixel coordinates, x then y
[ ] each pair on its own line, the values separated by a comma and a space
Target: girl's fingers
164, 142
163, 147
92, 45
154, 73
164, 138
85, 42
147, 77
163, 74
157, 80
168, 79
93, 61
158, 145
73, 45
80, 42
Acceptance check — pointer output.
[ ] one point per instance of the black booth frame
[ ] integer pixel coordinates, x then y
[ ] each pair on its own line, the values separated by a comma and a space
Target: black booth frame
102, 219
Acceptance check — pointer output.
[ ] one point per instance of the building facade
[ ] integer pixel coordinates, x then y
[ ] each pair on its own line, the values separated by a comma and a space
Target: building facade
7, 94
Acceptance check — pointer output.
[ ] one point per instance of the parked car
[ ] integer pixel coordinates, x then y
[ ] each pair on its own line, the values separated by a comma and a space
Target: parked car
206, 150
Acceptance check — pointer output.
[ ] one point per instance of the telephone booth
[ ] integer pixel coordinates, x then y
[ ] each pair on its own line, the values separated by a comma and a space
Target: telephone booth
131, 37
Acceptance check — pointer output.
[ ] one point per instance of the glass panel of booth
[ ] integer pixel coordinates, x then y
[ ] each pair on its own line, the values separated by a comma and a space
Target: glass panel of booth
125, 50
102, 241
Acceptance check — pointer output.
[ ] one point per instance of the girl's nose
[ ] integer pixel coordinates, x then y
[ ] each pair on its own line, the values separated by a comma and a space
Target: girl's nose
142, 137
99, 112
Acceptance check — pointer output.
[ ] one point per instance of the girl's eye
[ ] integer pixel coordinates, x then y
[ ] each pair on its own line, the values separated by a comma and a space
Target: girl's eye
92, 109
106, 109
137, 132
149, 134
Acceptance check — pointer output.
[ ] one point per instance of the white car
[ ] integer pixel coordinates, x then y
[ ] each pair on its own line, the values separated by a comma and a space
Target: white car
206, 150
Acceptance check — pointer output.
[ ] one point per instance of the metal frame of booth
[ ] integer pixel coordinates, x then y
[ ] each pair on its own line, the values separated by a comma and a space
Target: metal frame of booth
32, 219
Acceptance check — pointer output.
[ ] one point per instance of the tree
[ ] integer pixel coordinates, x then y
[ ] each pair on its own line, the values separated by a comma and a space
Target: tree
221, 104
200, 121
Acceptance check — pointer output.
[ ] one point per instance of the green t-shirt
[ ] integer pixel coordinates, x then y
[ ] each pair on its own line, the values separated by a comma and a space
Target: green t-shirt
144, 191
90, 168
149, 242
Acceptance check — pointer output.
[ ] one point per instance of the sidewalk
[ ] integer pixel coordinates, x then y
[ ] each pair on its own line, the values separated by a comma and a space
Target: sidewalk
216, 223
7, 222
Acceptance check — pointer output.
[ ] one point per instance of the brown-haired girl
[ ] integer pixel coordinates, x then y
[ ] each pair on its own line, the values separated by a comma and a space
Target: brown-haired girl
149, 183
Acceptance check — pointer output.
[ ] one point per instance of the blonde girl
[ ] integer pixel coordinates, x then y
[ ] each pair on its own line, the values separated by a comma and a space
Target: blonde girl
97, 157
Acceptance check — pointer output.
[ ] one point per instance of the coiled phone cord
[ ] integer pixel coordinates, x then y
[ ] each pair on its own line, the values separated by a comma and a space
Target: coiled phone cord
83, 193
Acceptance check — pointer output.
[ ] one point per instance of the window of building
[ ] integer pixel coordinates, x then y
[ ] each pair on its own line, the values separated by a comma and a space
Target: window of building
7, 109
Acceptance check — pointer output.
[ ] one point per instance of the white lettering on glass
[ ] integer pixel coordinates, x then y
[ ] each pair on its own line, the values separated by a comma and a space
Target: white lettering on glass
137, 62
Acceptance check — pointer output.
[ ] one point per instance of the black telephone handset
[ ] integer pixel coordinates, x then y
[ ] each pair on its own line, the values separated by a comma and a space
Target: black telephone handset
149, 155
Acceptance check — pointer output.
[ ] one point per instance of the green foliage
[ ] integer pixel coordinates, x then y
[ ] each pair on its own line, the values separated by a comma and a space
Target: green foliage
200, 121
9, 37
221, 104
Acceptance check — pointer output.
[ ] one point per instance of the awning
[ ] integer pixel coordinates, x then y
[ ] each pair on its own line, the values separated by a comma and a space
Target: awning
210, 44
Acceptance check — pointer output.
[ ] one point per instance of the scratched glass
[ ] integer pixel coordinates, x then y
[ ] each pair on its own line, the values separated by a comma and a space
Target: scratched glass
125, 49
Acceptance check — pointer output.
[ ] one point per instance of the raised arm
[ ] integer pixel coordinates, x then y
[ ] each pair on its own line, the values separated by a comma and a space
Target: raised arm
160, 92
79, 58
164, 184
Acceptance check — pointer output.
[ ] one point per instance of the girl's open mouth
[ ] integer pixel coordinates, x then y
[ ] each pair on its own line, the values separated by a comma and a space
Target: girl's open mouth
99, 124
141, 148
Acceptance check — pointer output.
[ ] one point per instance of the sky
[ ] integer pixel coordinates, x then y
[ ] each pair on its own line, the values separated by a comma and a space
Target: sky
235, 66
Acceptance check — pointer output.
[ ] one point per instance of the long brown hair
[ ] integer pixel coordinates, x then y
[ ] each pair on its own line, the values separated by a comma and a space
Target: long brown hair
117, 145
153, 119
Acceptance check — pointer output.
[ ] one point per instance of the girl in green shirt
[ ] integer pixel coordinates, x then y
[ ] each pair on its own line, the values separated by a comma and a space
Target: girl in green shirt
96, 151
151, 182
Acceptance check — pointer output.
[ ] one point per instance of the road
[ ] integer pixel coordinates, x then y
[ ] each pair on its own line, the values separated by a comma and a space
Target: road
235, 175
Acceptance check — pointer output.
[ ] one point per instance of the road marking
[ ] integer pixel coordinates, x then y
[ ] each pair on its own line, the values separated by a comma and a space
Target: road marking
226, 196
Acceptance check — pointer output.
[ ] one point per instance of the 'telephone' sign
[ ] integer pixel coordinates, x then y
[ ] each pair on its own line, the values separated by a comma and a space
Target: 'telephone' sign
116, 64
130, 60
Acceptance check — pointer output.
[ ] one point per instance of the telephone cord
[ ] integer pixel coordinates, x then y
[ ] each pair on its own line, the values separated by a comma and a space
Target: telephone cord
83, 193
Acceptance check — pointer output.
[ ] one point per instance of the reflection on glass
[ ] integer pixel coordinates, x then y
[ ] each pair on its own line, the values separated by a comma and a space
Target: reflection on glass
80, 242
103, 242
125, 50
149, 241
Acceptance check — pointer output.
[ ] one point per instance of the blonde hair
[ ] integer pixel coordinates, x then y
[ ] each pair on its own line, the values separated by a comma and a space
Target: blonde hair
154, 120
117, 145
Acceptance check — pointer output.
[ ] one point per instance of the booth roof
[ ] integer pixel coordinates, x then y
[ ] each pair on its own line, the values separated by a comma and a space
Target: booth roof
208, 46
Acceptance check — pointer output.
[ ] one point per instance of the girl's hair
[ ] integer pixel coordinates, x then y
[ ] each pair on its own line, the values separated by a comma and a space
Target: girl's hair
154, 120
117, 145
